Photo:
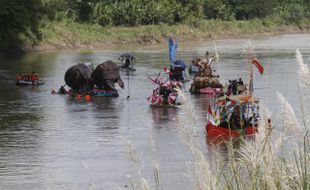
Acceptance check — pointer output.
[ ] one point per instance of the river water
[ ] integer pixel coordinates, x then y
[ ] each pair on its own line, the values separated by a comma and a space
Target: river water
55, 142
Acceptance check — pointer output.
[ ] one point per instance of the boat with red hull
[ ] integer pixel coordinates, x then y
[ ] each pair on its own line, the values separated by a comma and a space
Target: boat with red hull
213, 131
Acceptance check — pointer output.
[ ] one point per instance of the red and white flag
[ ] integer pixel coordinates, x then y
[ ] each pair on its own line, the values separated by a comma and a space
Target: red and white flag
258, 65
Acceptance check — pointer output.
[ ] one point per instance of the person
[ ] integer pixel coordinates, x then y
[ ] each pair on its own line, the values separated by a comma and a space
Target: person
252, 121
240, 82
129, 58
165, 91
33, 77
234, 87
236, 119
127, 63
37, 76
207, 54
62, 90
18, 77
223, 118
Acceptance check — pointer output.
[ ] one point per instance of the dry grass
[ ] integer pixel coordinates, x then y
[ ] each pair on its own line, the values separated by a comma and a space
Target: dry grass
270, 161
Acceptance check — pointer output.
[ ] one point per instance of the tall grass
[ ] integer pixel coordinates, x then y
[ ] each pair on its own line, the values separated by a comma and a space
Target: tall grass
69, 34
273, 159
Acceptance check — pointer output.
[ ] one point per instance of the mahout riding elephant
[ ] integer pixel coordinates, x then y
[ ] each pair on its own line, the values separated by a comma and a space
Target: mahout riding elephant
78, 77
106, 75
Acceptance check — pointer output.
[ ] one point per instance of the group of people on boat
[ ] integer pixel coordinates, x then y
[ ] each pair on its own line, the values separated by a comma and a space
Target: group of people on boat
177, 71
200, 63
238, 117
236, 87
27, 79
127, 60
205, 81
165, 92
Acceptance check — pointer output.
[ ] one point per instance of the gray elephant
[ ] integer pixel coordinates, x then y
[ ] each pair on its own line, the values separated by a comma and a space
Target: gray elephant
78, 77
106, 75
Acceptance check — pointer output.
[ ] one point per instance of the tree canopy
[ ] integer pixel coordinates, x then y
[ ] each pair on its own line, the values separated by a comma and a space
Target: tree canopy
20, 20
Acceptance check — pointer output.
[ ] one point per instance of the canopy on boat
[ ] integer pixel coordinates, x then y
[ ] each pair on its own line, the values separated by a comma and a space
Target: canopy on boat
125, 56
242, 98
179, 63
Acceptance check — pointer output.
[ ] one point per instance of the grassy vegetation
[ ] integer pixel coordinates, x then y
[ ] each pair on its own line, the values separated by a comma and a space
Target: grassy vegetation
69, 34
277, 158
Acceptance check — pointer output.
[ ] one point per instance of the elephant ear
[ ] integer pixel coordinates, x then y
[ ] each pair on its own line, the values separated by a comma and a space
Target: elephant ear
102, 67
120, 83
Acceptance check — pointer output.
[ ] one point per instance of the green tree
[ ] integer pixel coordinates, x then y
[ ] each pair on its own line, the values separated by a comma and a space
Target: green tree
19, 18
249, 9
218, 9
291, 11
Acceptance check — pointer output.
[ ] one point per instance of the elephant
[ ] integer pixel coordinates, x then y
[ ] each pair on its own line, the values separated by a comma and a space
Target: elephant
106, 74
78, 77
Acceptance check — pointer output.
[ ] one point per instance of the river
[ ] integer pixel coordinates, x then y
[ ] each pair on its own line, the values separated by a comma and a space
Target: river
56, 142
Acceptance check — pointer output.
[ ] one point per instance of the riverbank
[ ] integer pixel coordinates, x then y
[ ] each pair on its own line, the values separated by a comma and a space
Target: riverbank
67, 34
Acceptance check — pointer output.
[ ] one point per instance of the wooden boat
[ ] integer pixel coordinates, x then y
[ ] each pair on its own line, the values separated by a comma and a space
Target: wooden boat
127, 69
206, 84
239, 112
213, 131
242, 111
29, 83
127, 60
165, 105
104, 93
166, 94
95, 92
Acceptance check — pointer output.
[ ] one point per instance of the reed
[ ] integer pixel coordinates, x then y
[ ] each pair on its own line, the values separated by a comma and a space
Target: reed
278, 157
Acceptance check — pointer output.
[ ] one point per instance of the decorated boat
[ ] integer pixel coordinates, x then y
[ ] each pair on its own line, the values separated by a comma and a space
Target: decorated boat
205, 81
104, 92
83, 80
177, 68
127, 60
234, 116
166, 93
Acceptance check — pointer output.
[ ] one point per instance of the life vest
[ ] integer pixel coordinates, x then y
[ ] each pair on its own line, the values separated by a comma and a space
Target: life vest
33, 77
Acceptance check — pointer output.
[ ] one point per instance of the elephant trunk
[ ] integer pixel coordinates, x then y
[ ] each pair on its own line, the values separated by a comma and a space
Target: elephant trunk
120, 83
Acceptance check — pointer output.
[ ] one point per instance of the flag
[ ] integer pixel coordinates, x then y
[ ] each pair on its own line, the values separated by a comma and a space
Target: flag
210, 116
172, 50
258, 65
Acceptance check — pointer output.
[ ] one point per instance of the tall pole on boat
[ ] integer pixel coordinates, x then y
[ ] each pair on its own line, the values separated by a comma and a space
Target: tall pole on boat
251, 85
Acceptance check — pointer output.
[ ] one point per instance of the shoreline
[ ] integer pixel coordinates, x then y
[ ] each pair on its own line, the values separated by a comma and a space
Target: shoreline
69, 38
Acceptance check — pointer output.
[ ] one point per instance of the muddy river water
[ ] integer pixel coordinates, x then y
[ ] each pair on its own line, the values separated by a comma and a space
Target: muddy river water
55, 142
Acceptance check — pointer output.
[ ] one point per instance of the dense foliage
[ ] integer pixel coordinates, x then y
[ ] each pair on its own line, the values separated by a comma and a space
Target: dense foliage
20, 20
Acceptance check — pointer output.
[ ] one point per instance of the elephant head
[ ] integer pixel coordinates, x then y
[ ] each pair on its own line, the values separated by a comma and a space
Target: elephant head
78, 77
106, 75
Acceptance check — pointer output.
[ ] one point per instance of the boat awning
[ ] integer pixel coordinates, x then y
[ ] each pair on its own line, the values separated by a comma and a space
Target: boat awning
242, 98
179, 63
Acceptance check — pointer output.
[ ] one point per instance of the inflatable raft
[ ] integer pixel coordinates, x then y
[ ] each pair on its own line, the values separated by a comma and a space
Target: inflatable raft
29, 83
